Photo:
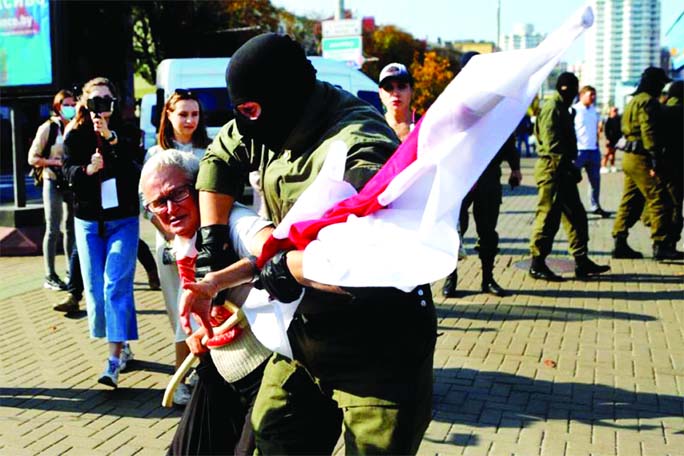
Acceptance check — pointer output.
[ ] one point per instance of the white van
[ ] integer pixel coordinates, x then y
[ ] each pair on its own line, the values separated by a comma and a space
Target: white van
206, 78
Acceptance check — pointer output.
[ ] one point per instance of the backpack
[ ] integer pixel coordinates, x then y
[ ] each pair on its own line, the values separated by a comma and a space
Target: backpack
37, 171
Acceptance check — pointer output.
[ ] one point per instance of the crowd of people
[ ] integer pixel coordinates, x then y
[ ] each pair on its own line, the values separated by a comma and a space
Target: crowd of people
367, 380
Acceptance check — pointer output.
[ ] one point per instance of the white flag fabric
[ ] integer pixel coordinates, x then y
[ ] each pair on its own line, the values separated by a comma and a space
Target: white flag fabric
413, 239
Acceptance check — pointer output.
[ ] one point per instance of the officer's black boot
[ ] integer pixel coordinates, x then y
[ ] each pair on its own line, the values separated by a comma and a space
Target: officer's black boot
622, 250
449, 288
489, 285
539, 270
664, 251
584, 267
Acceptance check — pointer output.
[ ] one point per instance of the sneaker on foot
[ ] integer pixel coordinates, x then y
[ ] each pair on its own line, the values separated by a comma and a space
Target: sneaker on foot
110, 376
53, 282
182, 395
68, 304
125, 356
613, 169
604, 170
192, 378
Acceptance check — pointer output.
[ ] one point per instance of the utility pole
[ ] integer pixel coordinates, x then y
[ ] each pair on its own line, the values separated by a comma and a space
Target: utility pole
498, 24
339, 11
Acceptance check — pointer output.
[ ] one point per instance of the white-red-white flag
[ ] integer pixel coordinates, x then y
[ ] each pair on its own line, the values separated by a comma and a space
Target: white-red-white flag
400, 230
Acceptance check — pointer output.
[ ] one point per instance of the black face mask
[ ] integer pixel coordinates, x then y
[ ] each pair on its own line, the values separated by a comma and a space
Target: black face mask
272, 127
272, 70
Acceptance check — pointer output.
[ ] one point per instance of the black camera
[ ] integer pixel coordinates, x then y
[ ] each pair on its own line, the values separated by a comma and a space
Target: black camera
99, 105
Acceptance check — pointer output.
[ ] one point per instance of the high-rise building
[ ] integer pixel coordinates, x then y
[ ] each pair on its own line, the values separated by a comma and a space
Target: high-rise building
624, 40
523, 37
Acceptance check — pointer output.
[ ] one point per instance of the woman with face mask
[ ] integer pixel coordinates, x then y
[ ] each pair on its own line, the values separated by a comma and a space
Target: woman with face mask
181, 127
46, 153
101, 168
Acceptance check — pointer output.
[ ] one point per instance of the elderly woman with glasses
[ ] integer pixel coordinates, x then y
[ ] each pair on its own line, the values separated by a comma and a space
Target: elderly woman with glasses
101, 169
181, 127
215, 420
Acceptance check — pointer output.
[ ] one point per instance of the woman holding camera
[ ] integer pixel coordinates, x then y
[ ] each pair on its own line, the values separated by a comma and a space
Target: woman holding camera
46, 153
100, 166
181, 127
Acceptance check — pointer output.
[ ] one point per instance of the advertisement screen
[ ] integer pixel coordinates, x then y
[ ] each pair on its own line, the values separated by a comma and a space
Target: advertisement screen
25, 46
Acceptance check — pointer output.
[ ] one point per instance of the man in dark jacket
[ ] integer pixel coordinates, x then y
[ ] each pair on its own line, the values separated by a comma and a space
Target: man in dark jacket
362, 357
557, 179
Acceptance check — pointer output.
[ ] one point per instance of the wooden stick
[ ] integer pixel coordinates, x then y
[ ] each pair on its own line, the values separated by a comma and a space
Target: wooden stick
178, 376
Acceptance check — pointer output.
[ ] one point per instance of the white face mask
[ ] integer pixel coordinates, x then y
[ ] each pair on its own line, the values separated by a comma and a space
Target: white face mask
68, 112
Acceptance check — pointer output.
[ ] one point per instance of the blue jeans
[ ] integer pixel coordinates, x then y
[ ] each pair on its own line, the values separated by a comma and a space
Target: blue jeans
108, 266
591, 161
519, 141
56, 208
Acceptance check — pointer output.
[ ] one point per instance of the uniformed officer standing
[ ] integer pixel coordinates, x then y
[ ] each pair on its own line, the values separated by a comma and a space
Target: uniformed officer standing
557, 179
643, 165
362, 357
485, 197
674, 154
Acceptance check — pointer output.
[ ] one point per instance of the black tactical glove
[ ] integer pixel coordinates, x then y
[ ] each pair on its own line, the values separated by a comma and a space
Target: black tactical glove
275, 277
513, 181
214, 254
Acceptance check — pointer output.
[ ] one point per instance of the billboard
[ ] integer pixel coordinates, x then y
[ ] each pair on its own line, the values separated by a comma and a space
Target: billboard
25, 43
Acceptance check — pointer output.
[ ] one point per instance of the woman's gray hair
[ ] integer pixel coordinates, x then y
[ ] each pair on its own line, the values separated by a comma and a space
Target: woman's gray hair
173, 158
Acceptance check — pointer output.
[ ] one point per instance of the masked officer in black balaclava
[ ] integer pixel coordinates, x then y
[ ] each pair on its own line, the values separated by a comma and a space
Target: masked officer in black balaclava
363, 357
485, 197
557, 179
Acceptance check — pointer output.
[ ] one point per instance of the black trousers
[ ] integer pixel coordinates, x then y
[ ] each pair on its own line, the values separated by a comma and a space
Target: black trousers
216, 421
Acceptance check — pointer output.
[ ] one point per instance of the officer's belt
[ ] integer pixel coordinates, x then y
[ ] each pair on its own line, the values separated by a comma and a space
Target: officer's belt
635, 147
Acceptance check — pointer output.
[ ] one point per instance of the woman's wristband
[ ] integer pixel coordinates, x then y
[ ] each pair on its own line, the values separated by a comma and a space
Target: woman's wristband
255, 269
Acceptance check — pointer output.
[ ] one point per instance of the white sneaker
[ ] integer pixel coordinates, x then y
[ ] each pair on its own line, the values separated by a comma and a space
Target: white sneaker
110, 376
192, 379
182, 395
125, 356
613, 169
604, 170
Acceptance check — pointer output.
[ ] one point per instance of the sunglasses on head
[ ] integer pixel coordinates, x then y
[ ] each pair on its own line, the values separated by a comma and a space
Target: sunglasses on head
392, 85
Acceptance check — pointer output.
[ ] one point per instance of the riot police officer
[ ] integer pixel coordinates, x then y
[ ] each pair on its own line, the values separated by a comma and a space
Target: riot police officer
485, 197
557, 179
643, 165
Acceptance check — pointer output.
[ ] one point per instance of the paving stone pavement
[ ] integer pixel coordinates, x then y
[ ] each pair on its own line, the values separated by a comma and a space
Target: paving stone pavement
578, 368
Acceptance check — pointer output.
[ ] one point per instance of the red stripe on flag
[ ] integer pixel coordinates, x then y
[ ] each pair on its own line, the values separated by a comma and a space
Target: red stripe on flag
361, 204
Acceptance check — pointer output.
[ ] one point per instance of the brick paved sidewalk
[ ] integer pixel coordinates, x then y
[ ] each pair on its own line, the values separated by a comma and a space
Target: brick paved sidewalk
578, 368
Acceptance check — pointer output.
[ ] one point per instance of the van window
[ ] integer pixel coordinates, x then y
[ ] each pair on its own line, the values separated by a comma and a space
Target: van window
371, 97
216, 104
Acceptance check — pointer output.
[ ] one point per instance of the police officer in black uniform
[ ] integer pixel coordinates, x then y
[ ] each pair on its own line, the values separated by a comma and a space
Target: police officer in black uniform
485, 197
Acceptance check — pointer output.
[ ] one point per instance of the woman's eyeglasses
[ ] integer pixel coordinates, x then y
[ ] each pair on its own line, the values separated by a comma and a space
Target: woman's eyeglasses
178, 194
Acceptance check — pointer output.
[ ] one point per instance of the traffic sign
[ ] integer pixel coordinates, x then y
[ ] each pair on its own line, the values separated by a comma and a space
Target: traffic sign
342, 48
343, 27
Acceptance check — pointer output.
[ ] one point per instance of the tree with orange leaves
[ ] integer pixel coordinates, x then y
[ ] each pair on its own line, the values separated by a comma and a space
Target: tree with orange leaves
431, 77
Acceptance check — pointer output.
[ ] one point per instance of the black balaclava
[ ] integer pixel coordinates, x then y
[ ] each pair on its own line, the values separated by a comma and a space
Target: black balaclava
653, 80
567, 86
272, 70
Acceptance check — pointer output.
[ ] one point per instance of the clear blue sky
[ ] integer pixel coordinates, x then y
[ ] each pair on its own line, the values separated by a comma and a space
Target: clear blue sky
466, 19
